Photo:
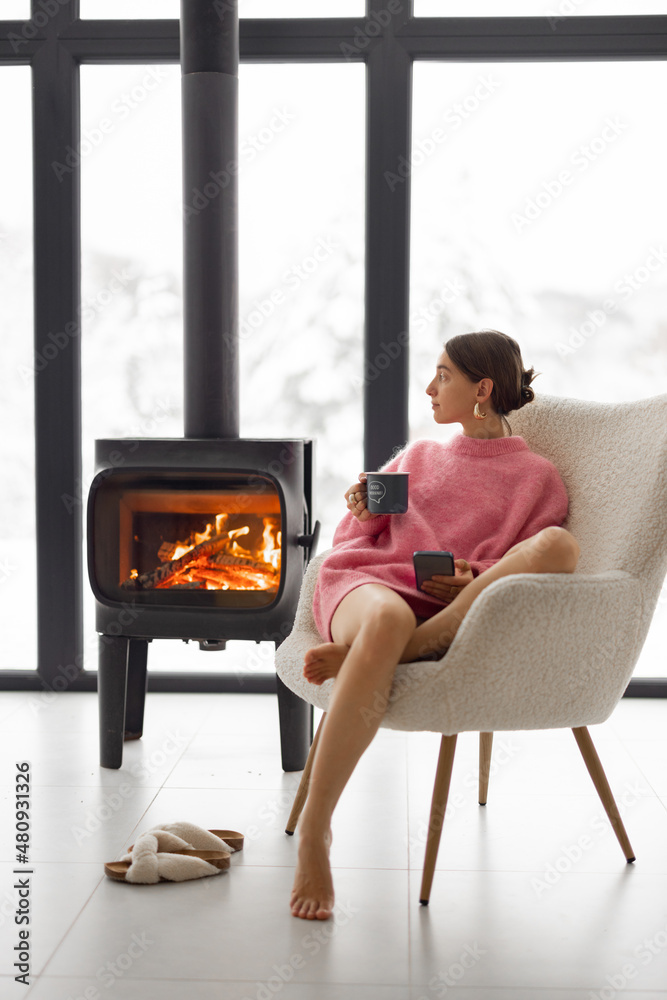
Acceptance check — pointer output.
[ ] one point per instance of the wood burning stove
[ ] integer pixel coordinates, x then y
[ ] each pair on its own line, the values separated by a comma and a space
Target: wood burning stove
207, 537
204, 540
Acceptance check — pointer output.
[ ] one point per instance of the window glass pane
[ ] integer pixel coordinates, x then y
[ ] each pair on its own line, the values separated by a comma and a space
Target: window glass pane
302, 8
131, 262
247, 8
302, 256
557, 10
301, 218
102, 9
538, 208
18, 586
11, 10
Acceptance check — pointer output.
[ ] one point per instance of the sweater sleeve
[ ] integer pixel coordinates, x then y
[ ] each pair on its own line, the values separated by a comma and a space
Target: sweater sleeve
351, 527
549, 507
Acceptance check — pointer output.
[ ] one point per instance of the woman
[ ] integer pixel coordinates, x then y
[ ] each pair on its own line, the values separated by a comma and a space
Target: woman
485, 496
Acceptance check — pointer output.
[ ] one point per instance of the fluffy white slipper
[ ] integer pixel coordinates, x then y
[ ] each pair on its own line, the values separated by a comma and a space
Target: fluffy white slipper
149, 864
194, 836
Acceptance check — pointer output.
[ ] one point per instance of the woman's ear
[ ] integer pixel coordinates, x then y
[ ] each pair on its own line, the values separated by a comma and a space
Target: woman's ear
484, 389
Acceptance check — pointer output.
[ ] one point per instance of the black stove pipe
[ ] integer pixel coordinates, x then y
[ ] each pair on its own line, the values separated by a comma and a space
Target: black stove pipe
209, 92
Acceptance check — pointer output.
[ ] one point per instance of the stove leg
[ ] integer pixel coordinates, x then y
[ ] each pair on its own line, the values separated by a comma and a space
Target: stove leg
296, 728
137, 683
111, 690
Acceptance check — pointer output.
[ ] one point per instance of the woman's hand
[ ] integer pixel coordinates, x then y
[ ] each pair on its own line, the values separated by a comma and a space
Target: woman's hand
446, 588
356, 496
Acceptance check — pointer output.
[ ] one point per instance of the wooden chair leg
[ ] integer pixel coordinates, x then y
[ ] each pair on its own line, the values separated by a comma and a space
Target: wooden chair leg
438, 806
595, 769
485, 745
302, 790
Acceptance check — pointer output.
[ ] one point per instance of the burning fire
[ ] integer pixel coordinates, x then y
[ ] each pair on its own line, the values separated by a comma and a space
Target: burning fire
216, 559
181, 548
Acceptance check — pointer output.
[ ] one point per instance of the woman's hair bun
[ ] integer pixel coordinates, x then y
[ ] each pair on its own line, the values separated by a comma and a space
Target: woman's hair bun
527, 394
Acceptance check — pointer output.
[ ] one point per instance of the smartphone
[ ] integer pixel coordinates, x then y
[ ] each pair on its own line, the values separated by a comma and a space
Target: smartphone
428, 564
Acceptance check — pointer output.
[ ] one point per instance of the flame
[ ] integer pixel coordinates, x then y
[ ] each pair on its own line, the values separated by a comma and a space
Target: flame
224, 565
271, 539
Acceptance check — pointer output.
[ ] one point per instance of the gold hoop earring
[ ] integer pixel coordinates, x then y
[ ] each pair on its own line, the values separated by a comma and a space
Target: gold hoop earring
478, 413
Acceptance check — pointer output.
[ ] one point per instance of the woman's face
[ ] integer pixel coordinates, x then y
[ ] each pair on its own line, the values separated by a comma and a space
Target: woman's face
453, 395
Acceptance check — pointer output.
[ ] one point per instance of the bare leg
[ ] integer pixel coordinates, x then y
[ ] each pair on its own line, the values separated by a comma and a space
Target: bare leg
553, 550
324, 661
375, 623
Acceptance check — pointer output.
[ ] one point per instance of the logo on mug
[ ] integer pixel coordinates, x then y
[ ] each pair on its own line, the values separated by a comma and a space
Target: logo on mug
376, 490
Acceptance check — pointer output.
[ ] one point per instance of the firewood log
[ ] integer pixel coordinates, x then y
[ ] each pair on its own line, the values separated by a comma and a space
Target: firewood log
159, 576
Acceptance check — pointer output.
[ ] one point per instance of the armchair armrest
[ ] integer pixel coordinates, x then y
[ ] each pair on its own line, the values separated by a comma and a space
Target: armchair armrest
535, 651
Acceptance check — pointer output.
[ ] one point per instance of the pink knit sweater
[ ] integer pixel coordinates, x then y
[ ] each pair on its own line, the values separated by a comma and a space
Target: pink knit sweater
474, 497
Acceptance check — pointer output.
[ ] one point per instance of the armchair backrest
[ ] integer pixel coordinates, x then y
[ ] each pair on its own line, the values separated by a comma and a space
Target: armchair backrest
613, 460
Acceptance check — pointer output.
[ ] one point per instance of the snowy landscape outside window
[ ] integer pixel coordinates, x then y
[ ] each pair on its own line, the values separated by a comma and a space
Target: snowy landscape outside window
246, 8
18, 583
555, 10
15, 9
538, 209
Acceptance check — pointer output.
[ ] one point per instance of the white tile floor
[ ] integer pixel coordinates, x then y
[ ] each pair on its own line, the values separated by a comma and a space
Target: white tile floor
531, 898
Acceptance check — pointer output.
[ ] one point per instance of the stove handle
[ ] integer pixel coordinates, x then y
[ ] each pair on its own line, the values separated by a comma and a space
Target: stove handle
309, 542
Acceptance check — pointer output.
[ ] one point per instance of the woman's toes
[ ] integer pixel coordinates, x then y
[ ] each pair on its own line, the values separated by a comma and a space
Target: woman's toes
315, 653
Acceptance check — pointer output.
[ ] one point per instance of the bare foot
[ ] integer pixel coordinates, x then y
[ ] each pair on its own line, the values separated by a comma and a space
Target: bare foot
312, 894
323, 662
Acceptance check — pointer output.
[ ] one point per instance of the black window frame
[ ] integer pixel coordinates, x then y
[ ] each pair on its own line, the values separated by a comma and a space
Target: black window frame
54, 43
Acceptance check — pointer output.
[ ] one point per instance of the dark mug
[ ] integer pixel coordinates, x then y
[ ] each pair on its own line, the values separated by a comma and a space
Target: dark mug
387, 492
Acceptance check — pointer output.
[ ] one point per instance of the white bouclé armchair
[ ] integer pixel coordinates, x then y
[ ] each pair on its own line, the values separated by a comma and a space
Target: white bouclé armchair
540, 651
